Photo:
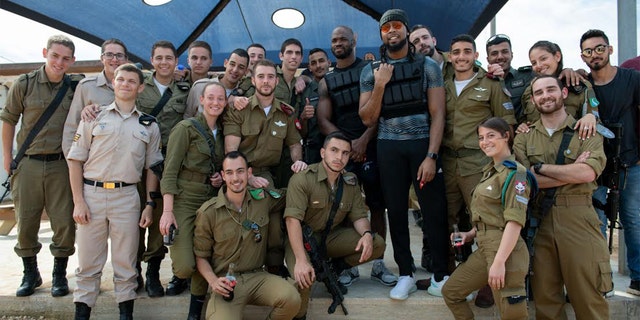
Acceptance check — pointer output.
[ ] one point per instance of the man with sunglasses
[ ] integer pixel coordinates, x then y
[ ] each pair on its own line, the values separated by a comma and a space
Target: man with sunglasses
410, 129
618, 91
232, 228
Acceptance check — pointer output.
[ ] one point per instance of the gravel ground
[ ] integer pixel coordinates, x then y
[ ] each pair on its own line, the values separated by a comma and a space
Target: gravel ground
24, 318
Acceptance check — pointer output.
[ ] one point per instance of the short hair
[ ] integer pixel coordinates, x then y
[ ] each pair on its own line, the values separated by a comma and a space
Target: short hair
552, 48
240, 53
498, 39
463, 38
231, 155
336, 135
257, 45
164, 44
263, 62
114, 41
130, 67
593, 33
61, 40
544, 76
421, 26
500, 125
213, 84
200, 44
290, 41
316, 50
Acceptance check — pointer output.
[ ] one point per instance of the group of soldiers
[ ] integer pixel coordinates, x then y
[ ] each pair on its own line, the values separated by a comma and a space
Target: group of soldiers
233, 168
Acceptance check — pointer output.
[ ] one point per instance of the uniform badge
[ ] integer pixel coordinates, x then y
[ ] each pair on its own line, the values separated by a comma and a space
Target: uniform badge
517, 83
520, 186
274, 194
508, 106
522, 200
489, 188
298, 125
257, 194
76, 137
280, 123
481, 89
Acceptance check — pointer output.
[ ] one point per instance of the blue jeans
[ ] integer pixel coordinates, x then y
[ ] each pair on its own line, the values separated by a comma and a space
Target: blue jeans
601, 195
630, 217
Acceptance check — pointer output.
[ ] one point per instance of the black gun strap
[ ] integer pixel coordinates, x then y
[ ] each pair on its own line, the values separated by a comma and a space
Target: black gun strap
332, 214
549, 194
46, 115
163, 100
205, 135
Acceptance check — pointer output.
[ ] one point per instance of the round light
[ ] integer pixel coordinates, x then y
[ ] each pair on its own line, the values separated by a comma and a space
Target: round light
155, 3
287, 18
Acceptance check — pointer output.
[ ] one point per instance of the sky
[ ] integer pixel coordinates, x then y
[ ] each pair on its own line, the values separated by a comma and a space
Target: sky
524, 21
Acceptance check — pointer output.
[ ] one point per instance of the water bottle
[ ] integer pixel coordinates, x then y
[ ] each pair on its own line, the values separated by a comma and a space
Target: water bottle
457, 243
232, 278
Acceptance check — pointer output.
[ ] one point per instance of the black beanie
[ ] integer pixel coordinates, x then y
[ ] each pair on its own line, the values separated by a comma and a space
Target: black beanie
395, 15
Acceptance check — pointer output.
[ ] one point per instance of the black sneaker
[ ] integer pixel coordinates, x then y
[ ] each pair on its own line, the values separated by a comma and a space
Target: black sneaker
634, 287
177, 286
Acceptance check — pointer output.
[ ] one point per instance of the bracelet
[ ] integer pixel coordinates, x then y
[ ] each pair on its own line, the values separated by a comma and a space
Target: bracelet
151, 203
370, 232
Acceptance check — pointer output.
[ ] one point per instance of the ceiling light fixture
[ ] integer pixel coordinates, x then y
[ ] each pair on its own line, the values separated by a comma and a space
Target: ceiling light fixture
155, 3
288, 18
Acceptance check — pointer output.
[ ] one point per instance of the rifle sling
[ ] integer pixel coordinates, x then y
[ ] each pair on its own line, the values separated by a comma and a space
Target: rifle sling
162, 102
211, 143
550, 193
332, 214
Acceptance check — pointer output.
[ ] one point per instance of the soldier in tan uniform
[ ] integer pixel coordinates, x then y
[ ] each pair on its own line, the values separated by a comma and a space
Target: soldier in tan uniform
498, 211
106, 201
96, 90
232, 228
191, 177
41, 179
310, 197
160, 83
570, 251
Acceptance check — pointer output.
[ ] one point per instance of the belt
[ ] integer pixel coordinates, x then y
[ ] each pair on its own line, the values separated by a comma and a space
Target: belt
481, 226
194, 176
46, 157
460, 153
573, 200
107, 184
251, 271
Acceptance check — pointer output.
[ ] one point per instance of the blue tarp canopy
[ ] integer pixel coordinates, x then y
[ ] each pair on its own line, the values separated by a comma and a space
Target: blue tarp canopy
230, 24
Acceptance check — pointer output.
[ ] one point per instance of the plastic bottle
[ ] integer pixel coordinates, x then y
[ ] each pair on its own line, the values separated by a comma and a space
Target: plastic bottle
232, 278
457, 243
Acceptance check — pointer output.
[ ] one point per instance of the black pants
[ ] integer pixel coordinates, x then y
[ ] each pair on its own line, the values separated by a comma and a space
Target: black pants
399, 161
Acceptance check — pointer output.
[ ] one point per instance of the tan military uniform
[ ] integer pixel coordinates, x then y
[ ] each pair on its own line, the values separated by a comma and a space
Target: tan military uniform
42, 177
491, 217
172, 113
574, 104
221, 238
309, 199
114, 147
91, 90
570, 250
463, 160
187, 169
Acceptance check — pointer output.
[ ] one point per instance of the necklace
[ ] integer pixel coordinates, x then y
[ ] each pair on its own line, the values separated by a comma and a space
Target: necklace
234, 219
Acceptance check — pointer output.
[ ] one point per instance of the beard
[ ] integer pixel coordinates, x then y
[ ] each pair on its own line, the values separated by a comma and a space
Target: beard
327, 164
398, 46
346, 52
265, 92
558, 104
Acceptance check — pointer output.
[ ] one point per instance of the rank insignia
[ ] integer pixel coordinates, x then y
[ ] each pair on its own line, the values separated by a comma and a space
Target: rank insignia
520, 186
76, 137
274, 194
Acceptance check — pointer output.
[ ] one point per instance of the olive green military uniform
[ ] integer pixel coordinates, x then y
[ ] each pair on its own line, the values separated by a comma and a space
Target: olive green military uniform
172, 113
463, 160
223, 236
309, 199
91, 90
41, 180
187, 169
570, 250
490, 217
574, 103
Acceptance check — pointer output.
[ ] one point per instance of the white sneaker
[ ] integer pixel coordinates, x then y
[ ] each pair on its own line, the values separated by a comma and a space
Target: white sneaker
349, 276
435, 289
406, 285
380, 273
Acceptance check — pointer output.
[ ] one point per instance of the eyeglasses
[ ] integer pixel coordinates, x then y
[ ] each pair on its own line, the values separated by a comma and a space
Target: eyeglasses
391, 24
599, 49
111, 55
498, 36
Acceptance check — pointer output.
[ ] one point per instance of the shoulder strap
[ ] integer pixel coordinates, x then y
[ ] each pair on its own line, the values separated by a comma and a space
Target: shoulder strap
163, 100
520, 174
550, 193
46, 115
211, 143
332, 214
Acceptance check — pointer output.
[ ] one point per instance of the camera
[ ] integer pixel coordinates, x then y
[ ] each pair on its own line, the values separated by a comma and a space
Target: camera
170, 237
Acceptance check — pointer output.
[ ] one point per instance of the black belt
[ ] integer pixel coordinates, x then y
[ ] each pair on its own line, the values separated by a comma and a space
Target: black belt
46, 157
107, 184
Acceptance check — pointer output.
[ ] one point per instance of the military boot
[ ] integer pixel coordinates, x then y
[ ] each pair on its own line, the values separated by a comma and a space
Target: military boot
126, 310
31, 278
83, 312
139, 278
195, 307
153, 286
177, 286
59, 284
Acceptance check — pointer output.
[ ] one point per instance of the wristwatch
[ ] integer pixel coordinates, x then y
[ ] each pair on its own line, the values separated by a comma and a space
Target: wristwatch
432, 155
151, 203
537, 167
373, 235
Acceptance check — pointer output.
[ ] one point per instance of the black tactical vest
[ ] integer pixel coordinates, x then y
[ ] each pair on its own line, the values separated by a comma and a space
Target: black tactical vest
404, 95
344, 90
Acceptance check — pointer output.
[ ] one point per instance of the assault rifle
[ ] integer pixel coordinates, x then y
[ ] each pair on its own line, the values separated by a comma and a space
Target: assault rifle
323, 270
611, 179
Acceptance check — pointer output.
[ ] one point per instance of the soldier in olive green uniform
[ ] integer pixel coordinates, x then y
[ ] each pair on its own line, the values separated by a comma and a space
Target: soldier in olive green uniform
575, 103
232, 228
310, 196
570, 251
41, 179
159, 84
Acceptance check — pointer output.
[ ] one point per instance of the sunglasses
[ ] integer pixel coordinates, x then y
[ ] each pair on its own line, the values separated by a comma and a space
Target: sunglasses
599, 49
391, 24
498, 36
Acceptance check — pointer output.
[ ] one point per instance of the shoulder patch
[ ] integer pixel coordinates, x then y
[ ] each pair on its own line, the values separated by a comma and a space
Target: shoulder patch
274, 194
520, 186
350, 179
257, 194
288, 110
